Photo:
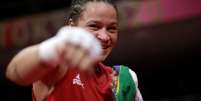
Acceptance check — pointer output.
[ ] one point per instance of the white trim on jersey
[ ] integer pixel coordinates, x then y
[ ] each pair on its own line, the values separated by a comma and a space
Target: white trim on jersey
138, 96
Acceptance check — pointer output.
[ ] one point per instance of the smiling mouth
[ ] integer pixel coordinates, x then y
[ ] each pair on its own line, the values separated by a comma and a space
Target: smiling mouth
105, 47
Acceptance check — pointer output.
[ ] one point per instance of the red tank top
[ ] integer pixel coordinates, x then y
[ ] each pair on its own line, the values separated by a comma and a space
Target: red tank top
80, 86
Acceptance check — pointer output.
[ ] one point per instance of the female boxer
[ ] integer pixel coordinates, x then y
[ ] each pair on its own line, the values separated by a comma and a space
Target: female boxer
68, 66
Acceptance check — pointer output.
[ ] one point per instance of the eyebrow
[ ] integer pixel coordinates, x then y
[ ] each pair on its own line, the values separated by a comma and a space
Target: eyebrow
95, 21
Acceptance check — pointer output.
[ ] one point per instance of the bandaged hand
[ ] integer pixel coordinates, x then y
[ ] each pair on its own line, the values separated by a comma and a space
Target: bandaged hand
73, 46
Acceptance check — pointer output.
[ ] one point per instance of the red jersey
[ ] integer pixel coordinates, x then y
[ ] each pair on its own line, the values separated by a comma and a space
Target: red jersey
80, 86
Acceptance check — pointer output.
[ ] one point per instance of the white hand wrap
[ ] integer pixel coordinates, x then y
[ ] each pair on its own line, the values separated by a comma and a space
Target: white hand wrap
72, 35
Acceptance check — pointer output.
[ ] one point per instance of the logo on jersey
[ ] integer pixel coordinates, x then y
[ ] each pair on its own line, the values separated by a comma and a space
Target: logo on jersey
77, 81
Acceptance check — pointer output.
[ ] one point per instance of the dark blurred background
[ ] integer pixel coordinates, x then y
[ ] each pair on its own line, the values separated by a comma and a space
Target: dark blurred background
159, 39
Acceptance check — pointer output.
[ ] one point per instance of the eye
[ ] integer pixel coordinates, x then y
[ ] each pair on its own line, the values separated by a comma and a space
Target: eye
93, 27
112, 29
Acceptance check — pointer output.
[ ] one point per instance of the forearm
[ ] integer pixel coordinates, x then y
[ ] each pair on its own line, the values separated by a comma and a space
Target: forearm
26, 67
35, 62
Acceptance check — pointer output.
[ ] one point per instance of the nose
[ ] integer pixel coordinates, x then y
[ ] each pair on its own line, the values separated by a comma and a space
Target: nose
103, 36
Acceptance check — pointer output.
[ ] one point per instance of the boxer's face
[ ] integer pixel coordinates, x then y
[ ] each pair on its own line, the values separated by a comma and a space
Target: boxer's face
100, 19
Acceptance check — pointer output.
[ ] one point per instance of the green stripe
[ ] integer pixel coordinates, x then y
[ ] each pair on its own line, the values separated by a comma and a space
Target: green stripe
126, 89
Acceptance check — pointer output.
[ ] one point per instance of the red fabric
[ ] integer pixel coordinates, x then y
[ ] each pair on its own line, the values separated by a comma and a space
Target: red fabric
96, 87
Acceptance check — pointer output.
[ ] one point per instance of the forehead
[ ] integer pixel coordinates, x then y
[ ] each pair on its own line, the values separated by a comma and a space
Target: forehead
99, 11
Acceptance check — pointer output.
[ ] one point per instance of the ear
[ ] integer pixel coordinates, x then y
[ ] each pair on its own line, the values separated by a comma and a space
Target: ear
70, 22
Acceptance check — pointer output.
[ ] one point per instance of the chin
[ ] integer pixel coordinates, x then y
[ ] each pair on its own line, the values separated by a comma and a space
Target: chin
106, 53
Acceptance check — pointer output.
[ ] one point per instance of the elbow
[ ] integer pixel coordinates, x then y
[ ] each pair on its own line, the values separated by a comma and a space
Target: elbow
13, 76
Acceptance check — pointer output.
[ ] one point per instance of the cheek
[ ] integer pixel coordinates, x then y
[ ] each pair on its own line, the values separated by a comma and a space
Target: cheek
92, 32
114, 38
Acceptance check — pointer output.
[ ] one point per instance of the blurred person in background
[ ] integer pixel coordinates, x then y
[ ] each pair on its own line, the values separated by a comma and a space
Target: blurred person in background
69, 66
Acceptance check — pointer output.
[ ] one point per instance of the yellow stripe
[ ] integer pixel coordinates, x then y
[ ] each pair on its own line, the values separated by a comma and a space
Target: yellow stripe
118, 84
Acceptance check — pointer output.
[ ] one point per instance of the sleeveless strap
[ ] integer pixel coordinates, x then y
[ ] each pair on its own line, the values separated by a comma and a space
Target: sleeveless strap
126, 87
